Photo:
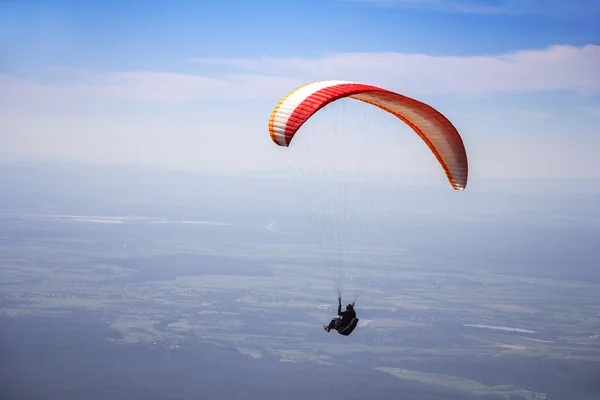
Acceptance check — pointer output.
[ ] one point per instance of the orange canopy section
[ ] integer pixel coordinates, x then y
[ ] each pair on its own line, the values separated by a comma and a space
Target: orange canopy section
436, 130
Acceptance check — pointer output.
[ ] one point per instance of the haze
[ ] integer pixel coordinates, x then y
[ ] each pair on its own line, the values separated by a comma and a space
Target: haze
155, 242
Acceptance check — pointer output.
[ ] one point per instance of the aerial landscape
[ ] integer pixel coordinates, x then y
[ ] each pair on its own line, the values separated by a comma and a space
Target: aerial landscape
162, 238
166, 287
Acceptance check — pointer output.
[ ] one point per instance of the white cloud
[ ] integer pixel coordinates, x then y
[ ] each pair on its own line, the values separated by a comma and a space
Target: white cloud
555, 68
563, 68
145, 86
51, 115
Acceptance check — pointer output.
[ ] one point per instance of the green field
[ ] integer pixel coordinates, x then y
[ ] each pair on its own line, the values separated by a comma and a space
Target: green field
264, 301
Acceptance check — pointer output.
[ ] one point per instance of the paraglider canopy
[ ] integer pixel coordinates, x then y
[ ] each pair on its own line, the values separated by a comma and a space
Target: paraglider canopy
436, 130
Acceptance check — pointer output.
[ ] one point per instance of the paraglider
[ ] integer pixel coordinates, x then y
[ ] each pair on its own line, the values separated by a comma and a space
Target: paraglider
435, 130
346, 320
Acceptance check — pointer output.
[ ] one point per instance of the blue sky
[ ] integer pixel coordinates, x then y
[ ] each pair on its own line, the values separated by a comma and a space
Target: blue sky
157, 82
161, 34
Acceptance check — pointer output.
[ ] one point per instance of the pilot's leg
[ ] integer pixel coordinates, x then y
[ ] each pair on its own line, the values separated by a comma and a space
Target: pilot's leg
331, 325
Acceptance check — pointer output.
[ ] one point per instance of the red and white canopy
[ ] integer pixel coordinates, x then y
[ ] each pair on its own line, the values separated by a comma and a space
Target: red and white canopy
436, 130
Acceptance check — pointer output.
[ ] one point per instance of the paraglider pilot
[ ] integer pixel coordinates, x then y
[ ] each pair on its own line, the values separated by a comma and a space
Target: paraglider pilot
344, 318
